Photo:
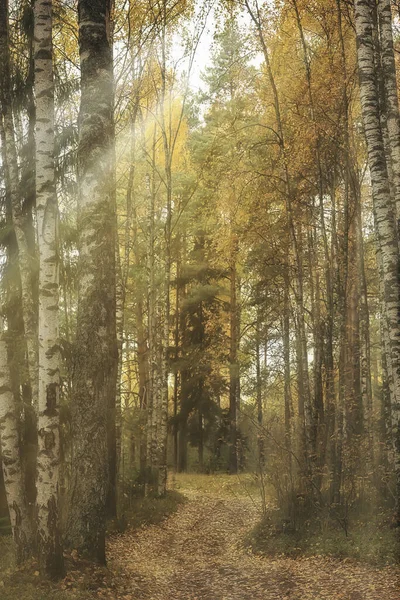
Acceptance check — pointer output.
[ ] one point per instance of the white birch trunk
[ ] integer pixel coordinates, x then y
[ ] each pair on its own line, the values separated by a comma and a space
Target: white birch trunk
391, 94
151, 400
11, 460
164, 359
48, 460
385, 218
11, 172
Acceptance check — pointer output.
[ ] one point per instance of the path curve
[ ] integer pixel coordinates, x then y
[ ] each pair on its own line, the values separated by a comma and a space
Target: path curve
198, 554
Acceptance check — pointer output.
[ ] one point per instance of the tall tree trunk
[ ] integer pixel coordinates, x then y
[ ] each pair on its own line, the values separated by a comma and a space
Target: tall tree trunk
176, 372
386, 226
233, 360
132, 222
11, 459
260, 432
151, 429
317, 410
19, 220
183, 411
389, 78
166, 136
143, 371
28, 199
48, 459
288, 389
21, 307
353, 399
115, 412
96, 353
365, 341
384, 416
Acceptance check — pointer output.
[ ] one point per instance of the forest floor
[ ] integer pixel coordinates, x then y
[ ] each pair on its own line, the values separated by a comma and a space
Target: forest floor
199, 552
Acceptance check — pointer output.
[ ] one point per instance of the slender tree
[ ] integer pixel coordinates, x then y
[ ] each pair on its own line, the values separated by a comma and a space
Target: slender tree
19, 215
11, 460
10, 419
48, 459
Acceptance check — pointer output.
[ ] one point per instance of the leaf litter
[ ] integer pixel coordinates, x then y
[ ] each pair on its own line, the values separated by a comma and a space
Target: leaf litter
198, 554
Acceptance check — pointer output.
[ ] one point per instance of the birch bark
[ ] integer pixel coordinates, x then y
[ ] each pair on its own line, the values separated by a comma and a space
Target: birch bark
12, 181
11, 459
384, 210
48, 459
391, 94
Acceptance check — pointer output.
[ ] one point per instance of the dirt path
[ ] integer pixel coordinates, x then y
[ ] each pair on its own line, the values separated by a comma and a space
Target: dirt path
197, 554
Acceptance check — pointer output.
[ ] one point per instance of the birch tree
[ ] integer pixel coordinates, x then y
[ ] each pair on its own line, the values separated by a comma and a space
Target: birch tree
391, 95
18, 218
10, 425
48, 460
384, 209
11, 459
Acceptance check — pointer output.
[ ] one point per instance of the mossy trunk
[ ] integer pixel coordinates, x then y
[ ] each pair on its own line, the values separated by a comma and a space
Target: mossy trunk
96, 355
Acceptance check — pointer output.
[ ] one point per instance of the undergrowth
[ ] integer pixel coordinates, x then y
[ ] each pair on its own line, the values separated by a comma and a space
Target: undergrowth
140, 511
25, 584
219, 484
369, 540
83, 581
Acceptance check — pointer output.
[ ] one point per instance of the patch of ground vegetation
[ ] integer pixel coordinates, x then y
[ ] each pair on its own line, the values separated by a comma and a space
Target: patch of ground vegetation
25, 584
141, 511
83, 580
243, 485
368, 539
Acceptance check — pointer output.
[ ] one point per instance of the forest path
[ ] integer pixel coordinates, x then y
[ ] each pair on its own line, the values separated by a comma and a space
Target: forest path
198, 554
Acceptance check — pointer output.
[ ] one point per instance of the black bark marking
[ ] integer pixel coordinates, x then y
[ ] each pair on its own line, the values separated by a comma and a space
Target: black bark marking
43, 54
49, 440
51, 400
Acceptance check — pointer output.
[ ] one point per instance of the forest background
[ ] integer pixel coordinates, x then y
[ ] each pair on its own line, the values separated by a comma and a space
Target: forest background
200, 265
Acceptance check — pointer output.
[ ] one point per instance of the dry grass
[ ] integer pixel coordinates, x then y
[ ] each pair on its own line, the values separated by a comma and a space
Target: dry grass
243, 485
